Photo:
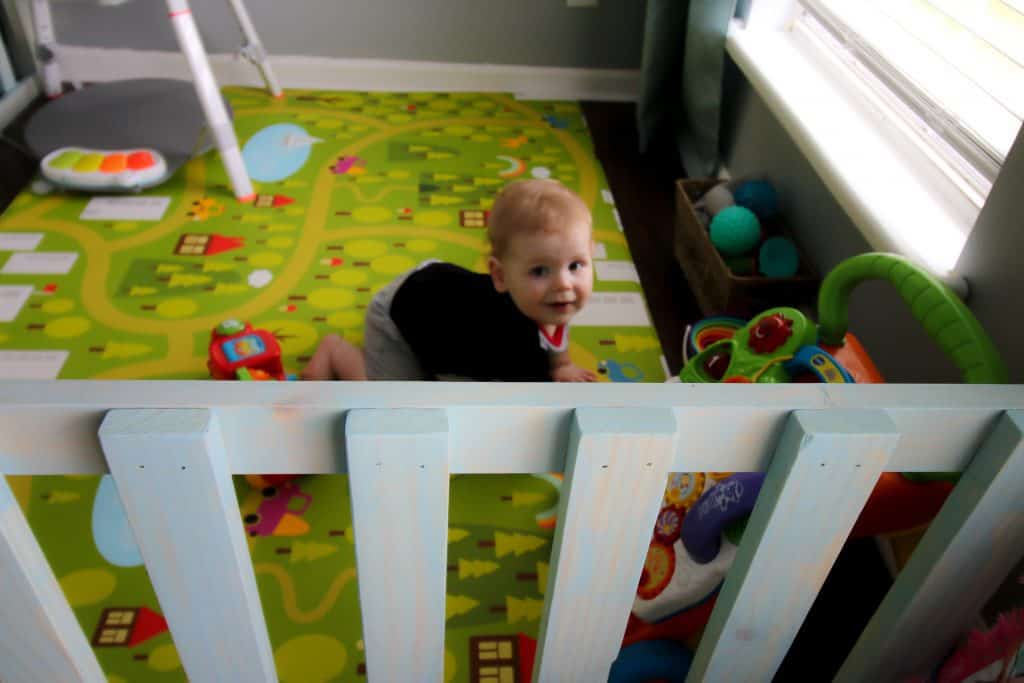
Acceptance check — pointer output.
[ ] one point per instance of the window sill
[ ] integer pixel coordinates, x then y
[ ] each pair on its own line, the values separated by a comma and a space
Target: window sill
899, 200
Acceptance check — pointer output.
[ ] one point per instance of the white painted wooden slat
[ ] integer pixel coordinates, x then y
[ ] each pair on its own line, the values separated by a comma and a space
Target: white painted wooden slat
969, 548
823, 471
40, 639
284, 427
398, 478
616, 469
171, 472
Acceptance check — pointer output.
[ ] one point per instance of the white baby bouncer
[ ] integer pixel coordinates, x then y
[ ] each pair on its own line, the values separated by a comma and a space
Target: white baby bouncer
218, 120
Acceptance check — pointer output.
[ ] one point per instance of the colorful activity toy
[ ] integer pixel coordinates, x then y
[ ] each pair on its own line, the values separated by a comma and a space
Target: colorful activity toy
94, 169
237, 351
693, 545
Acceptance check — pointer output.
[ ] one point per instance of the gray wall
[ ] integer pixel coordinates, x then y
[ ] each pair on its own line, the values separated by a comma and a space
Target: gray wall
755, 144
526, 32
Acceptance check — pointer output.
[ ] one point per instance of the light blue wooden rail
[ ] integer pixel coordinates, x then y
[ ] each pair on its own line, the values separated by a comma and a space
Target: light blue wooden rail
175, 445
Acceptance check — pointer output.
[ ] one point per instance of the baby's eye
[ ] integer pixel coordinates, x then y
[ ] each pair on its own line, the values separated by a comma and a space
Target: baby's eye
577, 265
538, 271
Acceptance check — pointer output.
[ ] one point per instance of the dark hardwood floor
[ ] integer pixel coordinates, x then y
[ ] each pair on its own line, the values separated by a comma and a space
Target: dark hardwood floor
644, 190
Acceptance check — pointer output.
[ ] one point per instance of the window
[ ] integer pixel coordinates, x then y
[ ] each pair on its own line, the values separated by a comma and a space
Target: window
953, 70
906, 109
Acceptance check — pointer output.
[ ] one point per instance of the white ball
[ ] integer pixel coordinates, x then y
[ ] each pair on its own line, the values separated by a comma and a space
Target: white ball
717, 198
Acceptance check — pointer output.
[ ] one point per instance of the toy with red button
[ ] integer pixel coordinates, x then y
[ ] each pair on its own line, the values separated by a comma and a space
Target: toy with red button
78, 168
783, 345
238, 351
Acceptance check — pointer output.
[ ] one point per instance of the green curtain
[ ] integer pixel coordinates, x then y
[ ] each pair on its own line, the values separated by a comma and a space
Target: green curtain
681, 79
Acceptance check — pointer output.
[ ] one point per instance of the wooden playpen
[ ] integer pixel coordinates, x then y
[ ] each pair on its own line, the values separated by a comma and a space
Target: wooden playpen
175, 445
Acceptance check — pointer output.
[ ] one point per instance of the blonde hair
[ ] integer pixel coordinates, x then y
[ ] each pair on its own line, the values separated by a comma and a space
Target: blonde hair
529, 206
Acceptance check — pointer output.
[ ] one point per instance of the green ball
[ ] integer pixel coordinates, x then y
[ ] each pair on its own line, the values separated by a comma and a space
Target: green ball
735, 231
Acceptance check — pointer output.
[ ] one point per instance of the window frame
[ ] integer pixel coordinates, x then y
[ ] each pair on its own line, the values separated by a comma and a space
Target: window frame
779, 64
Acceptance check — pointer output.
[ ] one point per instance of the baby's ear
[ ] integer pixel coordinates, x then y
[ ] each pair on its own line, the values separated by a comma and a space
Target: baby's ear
497, 275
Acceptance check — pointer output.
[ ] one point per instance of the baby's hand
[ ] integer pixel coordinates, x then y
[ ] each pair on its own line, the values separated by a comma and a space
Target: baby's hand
572, 373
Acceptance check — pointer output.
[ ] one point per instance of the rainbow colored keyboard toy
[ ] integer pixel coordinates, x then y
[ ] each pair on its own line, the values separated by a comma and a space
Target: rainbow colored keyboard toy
97, 169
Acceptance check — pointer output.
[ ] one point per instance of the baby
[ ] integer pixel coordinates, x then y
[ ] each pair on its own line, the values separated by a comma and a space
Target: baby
441, 321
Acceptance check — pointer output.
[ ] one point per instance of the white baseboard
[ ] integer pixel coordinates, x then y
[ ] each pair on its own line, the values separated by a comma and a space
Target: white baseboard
293, 71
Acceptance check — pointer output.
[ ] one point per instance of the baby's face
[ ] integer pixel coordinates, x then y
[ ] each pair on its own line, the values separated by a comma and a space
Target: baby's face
548, 274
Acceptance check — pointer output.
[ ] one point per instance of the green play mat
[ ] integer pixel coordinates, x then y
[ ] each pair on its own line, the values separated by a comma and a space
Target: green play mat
353, 188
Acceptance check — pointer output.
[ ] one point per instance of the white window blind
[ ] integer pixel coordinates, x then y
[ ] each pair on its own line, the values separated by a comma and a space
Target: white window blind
953, 70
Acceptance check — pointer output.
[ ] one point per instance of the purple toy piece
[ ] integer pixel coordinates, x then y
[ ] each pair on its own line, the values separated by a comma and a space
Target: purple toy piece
725, 502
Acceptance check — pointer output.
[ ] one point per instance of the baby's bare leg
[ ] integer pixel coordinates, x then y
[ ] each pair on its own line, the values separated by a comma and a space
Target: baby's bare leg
335, 358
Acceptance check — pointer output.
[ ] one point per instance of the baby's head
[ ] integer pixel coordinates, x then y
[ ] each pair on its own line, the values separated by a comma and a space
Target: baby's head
541, 245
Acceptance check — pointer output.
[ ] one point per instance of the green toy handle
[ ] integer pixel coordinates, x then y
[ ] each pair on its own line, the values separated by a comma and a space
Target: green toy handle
941, 312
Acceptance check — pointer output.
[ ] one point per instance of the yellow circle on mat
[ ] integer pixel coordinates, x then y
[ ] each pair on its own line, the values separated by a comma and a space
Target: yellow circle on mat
58, 306
295, 337
164, 658
421, 246
176, 308
88, 586
265, 259
331, 298
126, 226
345, 319
348, 277
328, 123
442, 105
280, 242
365, 248
372, 214
434, 218
392, 264
481, 137
65, 328
314, 658
398, 174
458, 131
400, 118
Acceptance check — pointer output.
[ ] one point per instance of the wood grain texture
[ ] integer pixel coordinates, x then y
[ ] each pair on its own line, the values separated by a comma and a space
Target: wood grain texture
40, 639
617, 465
968, 550
171, 471
287, 427
398, 478
823, 471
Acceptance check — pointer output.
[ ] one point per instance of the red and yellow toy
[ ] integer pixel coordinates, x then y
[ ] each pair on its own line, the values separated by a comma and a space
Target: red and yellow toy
238, 351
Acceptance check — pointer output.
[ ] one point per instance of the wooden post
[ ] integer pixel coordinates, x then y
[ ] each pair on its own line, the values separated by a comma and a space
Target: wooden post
967, 551
398, 478
40, 639
616, 470
822, 473
171, 471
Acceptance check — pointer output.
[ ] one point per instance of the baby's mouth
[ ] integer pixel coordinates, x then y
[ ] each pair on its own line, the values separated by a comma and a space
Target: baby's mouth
561, 305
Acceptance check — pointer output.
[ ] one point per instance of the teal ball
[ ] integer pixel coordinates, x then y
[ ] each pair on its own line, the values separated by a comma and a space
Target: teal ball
735, 231
759, 196
778, 258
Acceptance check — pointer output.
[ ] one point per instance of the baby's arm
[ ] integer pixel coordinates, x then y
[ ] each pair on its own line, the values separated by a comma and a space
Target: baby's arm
336, 358
563, 370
